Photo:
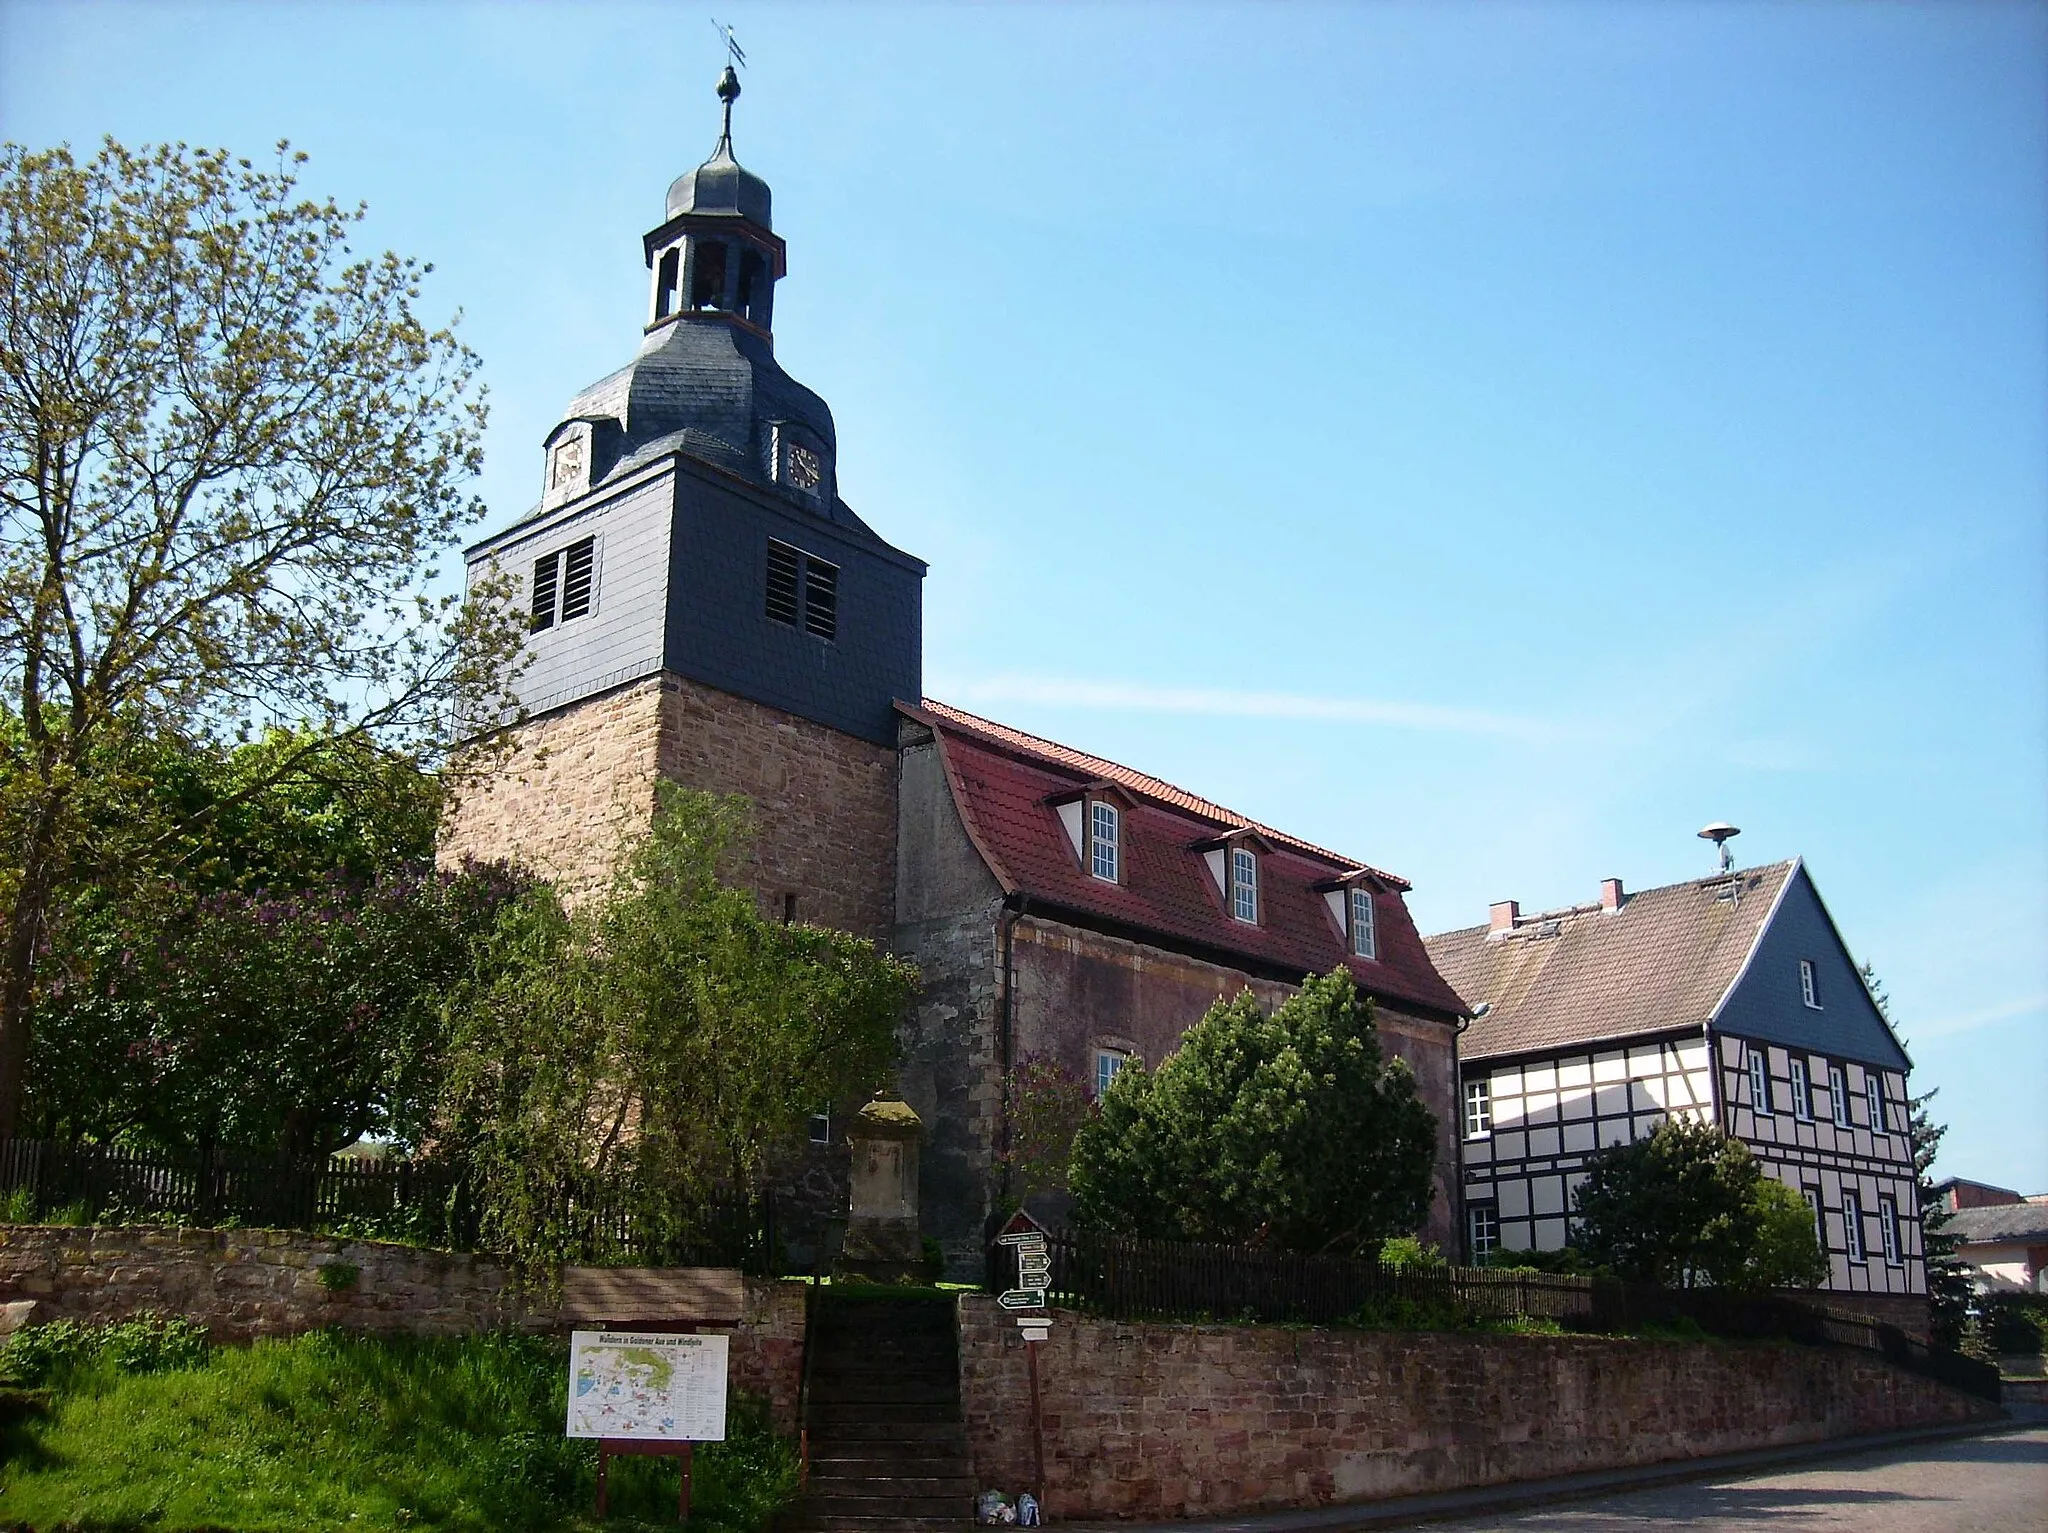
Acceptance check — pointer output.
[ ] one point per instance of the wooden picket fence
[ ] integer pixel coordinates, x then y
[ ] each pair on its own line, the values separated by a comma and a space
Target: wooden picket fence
424, 1203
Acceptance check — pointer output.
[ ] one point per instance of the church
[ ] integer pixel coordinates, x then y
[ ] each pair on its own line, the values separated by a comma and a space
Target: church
705, 607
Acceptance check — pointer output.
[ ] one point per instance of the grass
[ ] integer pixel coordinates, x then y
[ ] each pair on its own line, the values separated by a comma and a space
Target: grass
338, 1431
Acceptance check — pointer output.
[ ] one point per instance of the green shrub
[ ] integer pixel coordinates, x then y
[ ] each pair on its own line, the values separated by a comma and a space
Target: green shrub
54, 1353
2016, 1324
1403, 1252
338, 1277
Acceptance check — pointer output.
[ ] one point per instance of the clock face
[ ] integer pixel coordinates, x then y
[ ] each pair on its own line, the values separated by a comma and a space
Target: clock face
568, 462
801, 467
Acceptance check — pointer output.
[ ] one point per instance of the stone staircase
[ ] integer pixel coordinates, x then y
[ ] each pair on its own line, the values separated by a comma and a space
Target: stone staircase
887, 1443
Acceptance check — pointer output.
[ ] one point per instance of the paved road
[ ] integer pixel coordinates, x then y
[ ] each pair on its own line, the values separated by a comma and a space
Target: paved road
1996, 1484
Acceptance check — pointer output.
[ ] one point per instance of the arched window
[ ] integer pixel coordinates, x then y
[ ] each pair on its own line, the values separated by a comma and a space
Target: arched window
752, 286
1244, 884
666, 281
1104, 842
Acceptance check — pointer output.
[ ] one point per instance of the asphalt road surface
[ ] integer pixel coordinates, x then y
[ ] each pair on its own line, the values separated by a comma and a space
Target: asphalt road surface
1997, 1484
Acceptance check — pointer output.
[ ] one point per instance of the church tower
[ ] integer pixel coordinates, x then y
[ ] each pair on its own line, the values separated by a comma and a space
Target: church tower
703, 606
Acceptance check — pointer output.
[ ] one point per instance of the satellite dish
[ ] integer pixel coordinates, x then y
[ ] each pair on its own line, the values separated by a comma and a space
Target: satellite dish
1721, 833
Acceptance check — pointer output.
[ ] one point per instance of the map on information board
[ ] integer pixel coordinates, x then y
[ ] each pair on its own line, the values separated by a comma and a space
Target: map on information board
647, 1384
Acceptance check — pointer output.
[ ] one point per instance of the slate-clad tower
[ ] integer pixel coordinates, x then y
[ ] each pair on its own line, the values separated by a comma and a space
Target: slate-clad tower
703, 605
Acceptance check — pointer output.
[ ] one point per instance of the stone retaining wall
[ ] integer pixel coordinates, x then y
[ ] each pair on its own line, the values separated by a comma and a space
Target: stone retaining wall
1153, 1421
241, 1284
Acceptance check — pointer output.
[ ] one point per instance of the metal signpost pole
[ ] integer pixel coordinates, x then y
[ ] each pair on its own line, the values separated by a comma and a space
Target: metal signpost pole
1034, 1278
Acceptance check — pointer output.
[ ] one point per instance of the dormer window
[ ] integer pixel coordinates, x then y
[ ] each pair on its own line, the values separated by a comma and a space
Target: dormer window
1105, 843
1244, 884
1365, 942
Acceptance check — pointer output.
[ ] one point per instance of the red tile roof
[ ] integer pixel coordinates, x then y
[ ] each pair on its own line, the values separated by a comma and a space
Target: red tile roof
1004, 781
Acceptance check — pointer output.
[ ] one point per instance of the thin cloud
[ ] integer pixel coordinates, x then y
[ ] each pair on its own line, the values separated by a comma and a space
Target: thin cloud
1217, 702
1969, 1021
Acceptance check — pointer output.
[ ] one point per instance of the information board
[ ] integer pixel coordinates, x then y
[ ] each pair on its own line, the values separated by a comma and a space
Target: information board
651, 1385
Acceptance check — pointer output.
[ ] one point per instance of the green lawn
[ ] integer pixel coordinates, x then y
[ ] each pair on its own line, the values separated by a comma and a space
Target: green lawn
332, 1431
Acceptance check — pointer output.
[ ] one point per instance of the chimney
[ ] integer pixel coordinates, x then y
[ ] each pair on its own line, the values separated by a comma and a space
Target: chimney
1610, 894
1501, 915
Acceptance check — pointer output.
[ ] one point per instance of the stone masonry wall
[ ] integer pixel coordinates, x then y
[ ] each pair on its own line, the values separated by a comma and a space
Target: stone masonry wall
241, 1284
576, 779
1153, 1421
573, 783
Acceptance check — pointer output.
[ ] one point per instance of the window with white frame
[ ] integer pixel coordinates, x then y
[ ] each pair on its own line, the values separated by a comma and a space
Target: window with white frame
1820, 1223
1759, 1080
1873, 1096
1483, 1222
1852, 1224
1107, 1063
1244, 883
1103, 840
1802, 1099
1809, 985
1365, 941
1478, 1109
1838, 1096
1888, 1229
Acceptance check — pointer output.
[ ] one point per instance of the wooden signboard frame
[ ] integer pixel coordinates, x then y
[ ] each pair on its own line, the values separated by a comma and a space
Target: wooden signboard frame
649, 1299
636, 1447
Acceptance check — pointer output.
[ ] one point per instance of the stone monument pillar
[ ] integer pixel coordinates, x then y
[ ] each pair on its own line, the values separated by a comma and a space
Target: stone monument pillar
883, 1242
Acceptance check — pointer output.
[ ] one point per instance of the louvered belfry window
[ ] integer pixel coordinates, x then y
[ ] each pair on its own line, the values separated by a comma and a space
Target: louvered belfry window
785, 574
545, 583
564, 584
579, 571
821, 597
803, 590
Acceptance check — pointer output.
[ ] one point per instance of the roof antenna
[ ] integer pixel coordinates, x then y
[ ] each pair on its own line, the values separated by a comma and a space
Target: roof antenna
1721, 833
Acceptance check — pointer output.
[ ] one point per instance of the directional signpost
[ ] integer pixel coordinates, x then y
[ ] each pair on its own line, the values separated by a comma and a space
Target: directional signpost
1027, 1238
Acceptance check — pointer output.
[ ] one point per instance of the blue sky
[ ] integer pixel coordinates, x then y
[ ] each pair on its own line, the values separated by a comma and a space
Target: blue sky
1490, 439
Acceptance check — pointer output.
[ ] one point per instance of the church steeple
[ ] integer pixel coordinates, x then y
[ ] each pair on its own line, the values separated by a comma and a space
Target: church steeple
706, 382
716, 254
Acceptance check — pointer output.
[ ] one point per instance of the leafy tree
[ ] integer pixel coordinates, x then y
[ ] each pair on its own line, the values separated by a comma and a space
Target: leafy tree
1786, 1252
657, 1044
229, 451
292, 1023
1689, 1206
262, 966
1289, 1130
1048, 1105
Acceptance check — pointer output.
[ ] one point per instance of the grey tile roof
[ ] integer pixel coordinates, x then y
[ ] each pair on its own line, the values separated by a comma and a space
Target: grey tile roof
2001, 1222
1662, 961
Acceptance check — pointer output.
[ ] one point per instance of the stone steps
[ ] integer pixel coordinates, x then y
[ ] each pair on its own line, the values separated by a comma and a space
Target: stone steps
888, 1448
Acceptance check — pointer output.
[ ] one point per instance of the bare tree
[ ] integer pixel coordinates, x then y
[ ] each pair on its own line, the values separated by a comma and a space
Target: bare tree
229, 454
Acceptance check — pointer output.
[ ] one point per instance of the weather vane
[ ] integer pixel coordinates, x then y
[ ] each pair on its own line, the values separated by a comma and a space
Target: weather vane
734, 53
